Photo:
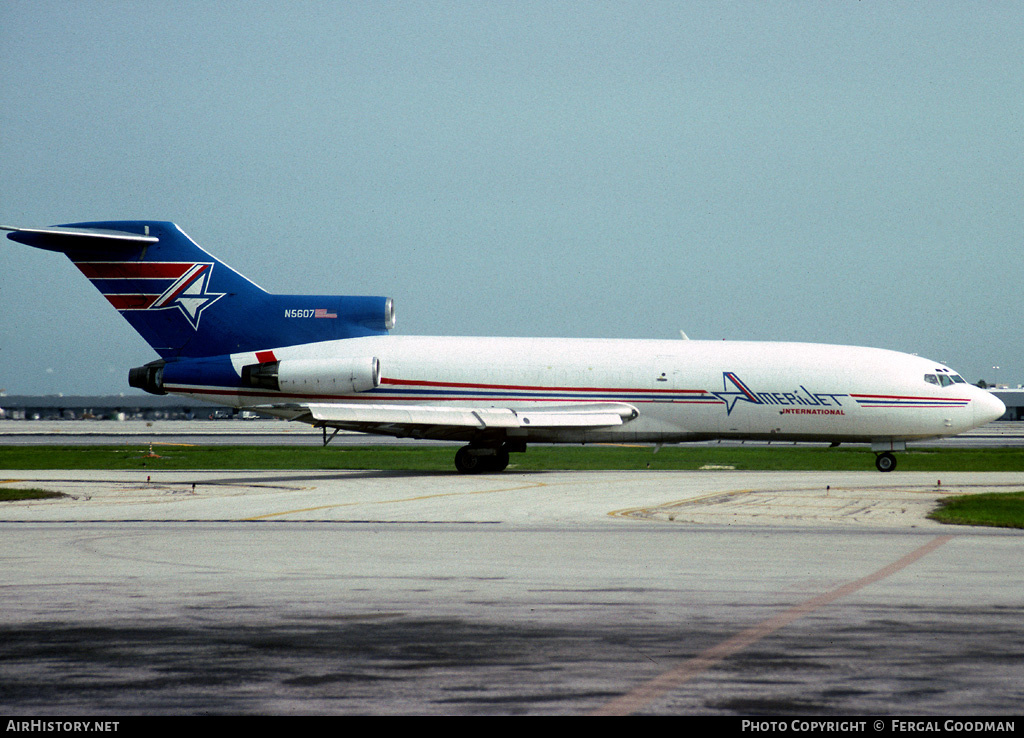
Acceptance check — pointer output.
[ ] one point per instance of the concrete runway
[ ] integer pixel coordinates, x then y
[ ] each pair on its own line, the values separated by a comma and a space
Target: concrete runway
710, 592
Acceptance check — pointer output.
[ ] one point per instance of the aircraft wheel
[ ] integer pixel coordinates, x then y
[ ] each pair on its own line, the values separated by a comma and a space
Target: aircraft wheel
499, 462
468, 462
885, 462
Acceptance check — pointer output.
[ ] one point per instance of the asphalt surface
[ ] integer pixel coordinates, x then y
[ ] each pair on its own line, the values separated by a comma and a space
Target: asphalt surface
710, 592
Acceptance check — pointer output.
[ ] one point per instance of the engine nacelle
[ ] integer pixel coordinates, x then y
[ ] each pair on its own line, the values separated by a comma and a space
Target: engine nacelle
315, 376
149, 378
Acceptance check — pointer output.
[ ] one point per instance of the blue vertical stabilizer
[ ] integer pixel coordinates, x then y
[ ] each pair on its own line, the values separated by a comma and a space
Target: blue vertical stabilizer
186, 303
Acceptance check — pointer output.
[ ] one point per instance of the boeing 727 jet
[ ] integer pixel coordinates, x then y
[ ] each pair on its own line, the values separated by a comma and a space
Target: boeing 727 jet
329, 361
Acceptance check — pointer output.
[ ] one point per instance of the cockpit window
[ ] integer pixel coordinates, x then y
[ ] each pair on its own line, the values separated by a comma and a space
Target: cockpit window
931, 378
944, 380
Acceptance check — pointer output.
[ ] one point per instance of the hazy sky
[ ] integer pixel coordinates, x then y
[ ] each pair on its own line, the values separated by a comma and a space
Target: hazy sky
840, 172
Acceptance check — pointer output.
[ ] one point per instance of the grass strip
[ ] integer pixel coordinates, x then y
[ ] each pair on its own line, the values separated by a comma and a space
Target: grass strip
537, 458
14, 495
999, 509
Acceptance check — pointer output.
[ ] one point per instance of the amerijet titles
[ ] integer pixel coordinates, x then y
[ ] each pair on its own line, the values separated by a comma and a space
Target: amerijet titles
801, 401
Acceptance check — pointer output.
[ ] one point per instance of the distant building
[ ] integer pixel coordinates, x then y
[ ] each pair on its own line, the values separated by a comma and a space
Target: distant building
108, 407
1014, 401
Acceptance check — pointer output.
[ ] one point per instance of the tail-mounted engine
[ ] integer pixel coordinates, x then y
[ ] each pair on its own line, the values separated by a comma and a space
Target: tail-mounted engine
314, 376
149, 377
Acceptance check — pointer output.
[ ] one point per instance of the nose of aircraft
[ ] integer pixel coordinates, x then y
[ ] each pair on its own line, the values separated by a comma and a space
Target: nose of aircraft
987, 407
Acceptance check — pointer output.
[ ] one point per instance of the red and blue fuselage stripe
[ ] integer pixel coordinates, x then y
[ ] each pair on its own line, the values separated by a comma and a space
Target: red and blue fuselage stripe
891, 401
392, 390
419, 389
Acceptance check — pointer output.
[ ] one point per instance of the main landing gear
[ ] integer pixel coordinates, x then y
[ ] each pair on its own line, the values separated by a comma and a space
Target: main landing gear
474, 459
885, 462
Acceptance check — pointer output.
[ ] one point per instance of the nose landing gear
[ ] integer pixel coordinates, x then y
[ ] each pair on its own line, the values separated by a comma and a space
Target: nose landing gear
885, 462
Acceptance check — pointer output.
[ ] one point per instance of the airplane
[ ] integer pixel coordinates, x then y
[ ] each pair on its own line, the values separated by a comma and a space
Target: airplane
330, 361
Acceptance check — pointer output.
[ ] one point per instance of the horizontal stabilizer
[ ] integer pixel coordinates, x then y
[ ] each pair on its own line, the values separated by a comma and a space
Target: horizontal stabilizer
595, 415
68, 238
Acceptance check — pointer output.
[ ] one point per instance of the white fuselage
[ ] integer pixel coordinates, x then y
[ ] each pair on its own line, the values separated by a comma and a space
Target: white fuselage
683, 390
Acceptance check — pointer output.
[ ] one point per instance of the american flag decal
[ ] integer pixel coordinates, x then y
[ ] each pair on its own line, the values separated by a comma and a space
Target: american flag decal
323, 313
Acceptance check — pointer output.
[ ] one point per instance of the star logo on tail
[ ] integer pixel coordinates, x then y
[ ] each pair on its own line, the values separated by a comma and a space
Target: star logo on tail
189, 293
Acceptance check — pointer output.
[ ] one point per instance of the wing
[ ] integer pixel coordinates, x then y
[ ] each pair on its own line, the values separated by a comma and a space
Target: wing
431, 421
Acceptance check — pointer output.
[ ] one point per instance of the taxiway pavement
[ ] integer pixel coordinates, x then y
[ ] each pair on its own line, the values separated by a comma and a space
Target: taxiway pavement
707, 592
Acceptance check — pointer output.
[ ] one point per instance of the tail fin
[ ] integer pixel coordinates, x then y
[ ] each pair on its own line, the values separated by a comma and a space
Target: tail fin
186, 303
